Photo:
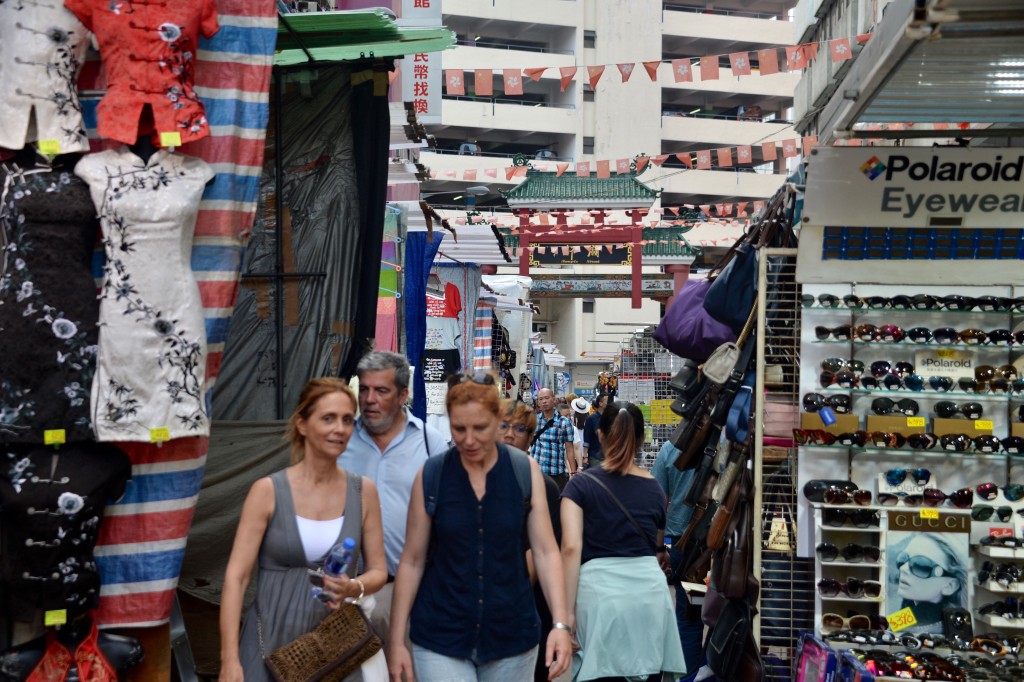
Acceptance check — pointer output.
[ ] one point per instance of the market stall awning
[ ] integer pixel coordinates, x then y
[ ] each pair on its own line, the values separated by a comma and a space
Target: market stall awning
351, 35
938, 61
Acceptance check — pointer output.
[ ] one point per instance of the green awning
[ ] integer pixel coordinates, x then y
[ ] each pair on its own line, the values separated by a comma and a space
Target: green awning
351, 35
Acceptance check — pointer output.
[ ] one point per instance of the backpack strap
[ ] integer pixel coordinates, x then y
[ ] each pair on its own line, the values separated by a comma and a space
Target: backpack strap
524, 477
432, 480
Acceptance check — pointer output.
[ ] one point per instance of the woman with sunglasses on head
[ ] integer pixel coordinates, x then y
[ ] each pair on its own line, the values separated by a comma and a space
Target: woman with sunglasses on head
290, 522
930, 578
462, 583
517, 426
613, 522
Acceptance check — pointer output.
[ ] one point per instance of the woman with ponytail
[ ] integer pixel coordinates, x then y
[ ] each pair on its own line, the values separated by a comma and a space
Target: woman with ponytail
613, 521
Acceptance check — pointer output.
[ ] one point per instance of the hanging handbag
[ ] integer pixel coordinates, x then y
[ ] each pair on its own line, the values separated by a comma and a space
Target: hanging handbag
687, 329
335, 649
735, 288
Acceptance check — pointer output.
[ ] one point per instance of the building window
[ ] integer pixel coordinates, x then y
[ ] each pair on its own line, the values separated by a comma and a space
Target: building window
588, 145
588, 94
588, 305
589, 39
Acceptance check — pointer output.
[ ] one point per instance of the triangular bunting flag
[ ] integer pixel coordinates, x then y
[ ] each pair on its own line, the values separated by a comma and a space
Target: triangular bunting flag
535, 74
449, 174
840, 49
521, 171
626, 70
704, 160
741, 209
641, 163
483, 86
682, 70
795, 57
685, 159
583, 169
594, 73
454, 80
491, 172
709, 67
940, 126
560, 168
740, 63
705, 209
604, 169
622, 166
659, 159
673, 209
863, 38
652, 69
513, 81
566, 73
744, 155
810, 51
469, 174
810, 142
510, 172
724, 157
789, 148
768, 61
769, 151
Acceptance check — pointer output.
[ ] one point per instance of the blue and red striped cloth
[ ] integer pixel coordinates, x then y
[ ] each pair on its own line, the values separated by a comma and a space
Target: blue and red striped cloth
142, 540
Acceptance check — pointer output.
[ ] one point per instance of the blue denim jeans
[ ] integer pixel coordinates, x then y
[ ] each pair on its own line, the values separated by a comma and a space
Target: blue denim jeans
691, 632
434, 667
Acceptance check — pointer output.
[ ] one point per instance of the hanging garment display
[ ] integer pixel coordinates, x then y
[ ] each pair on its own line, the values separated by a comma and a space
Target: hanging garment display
149, 51
151, 362
50, 506
48, 306
42, 49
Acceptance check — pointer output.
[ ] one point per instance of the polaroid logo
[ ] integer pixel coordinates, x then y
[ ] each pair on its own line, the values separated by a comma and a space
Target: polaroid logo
872, 168
900, 167
940, 362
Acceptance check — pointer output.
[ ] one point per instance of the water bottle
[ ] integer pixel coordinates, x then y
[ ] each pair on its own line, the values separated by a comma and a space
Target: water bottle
337, 562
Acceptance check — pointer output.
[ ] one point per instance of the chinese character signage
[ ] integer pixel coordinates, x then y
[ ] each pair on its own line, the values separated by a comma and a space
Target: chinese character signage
421, 85
421, 13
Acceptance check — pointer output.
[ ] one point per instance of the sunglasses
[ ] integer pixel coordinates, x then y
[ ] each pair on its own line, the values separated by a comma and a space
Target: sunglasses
884, 439
853, 587
833, 621
840, 496
813, 437
890, 382
920, 566
918, 477
947, 409
983, 512
814, 402
860, 518
518, 428
841, 333
986, 444
842, 379
887, 406
855, 439
961, 499
866, 332
942, 384
922, 441
973, 337
853, 553
839, 364
482, 378
1002, 541
955, 442
1013, 445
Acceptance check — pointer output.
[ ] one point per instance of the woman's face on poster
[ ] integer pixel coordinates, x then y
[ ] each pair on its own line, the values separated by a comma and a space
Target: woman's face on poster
925, 573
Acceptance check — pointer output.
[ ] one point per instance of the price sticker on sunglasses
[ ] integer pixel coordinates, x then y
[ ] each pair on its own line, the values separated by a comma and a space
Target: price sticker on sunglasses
902, 619
983, 425
914, 422
930, 514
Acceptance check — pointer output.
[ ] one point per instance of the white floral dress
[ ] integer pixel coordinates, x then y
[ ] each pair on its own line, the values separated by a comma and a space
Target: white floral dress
42, 49
151, 363
48, 307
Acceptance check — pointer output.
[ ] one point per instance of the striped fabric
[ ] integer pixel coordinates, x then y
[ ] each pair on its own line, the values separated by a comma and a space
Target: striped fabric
482, 339
142, 540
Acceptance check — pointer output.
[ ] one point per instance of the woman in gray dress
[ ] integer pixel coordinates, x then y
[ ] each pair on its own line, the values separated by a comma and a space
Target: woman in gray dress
289, 523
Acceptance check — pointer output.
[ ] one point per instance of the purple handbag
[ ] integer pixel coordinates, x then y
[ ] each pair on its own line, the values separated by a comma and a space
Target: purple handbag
687, 329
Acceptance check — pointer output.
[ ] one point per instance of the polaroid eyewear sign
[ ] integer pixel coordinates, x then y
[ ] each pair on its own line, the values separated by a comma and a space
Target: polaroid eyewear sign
944, 363
927, 187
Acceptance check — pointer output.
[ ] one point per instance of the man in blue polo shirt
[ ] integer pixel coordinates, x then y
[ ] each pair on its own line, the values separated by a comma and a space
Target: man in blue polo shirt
389, 446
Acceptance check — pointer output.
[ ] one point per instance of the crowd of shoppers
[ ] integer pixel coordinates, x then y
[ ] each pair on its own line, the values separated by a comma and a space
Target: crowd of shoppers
454, 599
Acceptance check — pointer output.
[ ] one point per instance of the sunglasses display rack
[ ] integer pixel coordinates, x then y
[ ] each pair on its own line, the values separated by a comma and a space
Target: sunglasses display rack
902, 376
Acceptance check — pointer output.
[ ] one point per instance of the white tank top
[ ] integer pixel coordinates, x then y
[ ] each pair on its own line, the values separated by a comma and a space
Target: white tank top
318, 536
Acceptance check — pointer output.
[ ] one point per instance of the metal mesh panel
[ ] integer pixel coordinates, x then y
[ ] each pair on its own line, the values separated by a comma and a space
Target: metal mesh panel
645, 371
787, 582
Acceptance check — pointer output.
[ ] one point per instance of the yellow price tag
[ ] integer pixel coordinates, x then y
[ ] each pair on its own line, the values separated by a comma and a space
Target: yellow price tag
983, 424
903, 618
159, 435
929, 513
170, 139
53, 618
915, 421
54, 437
49, 147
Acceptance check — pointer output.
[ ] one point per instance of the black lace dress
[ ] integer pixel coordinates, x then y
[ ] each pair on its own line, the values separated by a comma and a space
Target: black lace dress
48, 305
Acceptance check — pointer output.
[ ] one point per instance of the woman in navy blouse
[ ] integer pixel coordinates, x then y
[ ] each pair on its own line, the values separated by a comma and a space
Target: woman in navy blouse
462, 584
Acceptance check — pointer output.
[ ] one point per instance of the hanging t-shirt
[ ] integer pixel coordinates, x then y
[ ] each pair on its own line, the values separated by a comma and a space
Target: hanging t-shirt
443, 333
449, 306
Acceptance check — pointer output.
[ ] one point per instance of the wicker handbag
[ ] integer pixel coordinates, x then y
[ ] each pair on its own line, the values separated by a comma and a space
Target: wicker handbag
330, 653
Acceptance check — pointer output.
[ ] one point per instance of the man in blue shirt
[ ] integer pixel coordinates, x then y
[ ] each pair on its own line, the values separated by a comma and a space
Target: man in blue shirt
389, 446
593, 454
675, 483
552, 441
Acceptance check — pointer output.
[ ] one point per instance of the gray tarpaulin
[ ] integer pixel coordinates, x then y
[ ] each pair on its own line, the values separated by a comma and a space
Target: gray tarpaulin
240, 453
320, 232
